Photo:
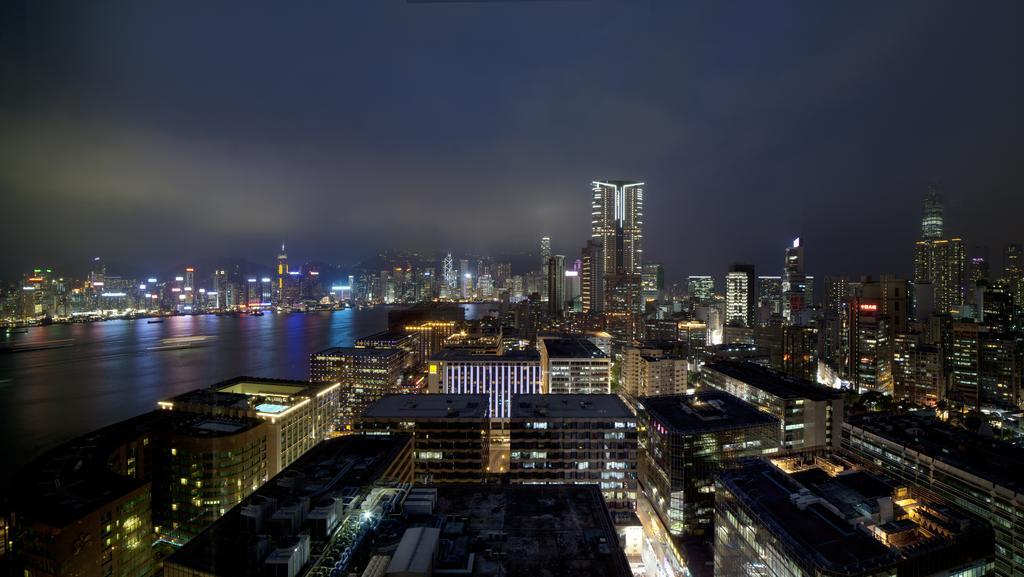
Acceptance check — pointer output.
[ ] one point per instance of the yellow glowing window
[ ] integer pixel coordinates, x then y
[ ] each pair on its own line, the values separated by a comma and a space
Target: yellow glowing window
433, 369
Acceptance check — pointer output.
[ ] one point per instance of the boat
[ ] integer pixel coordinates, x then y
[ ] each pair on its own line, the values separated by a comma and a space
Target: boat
256, 314
40, 346
154, 321
175, 343
16, 331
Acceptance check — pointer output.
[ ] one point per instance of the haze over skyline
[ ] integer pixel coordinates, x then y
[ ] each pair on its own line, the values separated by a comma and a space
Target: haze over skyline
171, 132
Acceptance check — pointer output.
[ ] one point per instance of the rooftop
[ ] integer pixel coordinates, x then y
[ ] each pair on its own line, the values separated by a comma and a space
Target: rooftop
512, 355
706, 411
578, 406
336, 469
516, 531
995, 461
429, 406
263, 395
384, 337
361, 352
76, 478
836, 520
779, 384
572, 347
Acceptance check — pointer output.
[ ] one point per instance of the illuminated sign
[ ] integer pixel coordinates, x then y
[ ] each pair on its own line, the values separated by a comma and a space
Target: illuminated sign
868, 307
433, 369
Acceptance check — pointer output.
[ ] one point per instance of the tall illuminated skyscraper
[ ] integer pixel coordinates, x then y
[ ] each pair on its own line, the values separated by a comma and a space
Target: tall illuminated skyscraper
617, 219
282, 275
556, 285
794, 283
740, 309
545, 256
939, 263
592, 278
932, 221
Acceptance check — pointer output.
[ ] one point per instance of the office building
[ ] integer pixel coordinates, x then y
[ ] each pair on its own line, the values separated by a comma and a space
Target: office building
573, 365
869, 345
592, 278
973, 472
576, 439
299, 414
556, 285
918, 371
684, 441
810, 415
740, 299
408, 341
450, 433
830, 517
303, 520
617, 218
362, 376
939, 263
653, 281
700, 287
85, 508
794, 284
769, 295
499, 376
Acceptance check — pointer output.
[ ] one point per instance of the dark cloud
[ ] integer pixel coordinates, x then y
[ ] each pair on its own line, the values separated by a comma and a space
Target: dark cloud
154, 132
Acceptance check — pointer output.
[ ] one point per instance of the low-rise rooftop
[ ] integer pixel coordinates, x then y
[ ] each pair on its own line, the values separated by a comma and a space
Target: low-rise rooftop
773, 382
995, 461
304, 499
705, 411
572, 348
843, 520
512, 355
569, 406
428, 407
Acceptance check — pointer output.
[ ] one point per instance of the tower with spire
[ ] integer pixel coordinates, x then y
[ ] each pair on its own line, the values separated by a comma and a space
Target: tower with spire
282, 276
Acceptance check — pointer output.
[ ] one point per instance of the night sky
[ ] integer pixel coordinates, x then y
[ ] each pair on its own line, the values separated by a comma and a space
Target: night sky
157, 132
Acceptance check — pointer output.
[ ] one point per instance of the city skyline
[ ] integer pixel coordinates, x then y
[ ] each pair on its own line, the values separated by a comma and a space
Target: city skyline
102, 141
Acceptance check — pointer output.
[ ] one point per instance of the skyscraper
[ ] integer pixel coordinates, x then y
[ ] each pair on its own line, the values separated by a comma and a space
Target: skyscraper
653, 281
556, 285
700, 287
451, 277
932, 221
939, 263
282, 275
592, 278
545, 256
740, 308
794, 283
617, 218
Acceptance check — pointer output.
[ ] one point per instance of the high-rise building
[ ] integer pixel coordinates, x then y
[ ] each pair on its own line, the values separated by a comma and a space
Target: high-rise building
451, 278
1013, 274
939, 263
684, 441
918, 373
932, 221
617, 219
556, 285
740, 296
700, 287
363, 375
794, 284
281, 276
869, 343
653, 281
769, 294
592, 278
573, 365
